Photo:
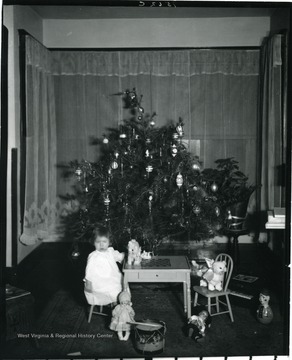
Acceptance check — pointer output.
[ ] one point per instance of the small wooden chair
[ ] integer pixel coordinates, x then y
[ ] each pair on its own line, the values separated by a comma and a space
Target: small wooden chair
218, 294
100, 312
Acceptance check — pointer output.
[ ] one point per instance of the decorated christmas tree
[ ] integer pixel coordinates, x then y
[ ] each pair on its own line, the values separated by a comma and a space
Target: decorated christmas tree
145, 185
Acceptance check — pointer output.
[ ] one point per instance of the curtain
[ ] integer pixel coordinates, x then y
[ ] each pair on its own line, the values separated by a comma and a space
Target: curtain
40, 212
214, 91
272, 124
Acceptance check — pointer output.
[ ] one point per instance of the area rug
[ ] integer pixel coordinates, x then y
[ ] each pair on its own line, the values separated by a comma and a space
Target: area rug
63, 330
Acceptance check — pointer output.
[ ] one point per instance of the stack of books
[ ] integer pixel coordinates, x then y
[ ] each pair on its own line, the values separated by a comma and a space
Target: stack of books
276, 218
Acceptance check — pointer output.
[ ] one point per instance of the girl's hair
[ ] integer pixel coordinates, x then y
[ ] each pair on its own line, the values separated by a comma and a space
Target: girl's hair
100, 231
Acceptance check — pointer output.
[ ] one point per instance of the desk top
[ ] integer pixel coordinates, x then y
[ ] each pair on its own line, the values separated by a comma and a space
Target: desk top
164, 262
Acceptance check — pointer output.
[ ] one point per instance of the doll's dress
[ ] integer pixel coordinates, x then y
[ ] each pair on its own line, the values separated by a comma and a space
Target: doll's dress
103, 279
121, 315
198, 326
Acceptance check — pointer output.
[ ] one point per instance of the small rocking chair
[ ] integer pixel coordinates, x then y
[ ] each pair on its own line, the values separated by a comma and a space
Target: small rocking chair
204, 291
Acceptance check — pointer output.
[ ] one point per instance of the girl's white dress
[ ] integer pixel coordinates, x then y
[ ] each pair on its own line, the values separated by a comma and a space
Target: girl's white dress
103, 279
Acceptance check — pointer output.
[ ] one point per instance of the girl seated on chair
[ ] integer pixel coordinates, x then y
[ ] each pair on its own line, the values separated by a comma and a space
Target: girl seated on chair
103, 279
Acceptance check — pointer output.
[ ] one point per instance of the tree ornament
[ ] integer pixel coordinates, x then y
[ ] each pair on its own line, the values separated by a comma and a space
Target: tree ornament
106, 200
114, 165
179, 180
78, 172
149, 168
214, 187
105, 139
116, 154
175, 135
196, 167
152, 123
123, 135
173, 150
147, 153
196, 210
179, 128
217, 211
195, 188
229, 215
140, 109
150, 199
75, 252
140, 118
122, 169
133, 95
148, 141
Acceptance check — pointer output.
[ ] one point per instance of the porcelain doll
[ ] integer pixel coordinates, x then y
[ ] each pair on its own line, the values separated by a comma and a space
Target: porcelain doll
122, 315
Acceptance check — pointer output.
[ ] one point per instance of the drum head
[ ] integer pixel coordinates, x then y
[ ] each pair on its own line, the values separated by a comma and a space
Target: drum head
153, 325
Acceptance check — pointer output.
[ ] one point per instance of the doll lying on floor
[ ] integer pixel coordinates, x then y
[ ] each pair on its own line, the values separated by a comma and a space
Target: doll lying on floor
198, 323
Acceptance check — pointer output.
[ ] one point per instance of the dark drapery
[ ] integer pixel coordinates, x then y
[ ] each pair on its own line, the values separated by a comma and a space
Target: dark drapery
272, 125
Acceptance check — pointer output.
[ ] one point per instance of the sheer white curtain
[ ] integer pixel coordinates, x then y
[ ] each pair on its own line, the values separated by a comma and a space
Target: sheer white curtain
214, 91
40, 211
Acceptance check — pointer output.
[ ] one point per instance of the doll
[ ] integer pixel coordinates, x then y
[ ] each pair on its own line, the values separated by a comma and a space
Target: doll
264, 312
197, 324
122, 315
103, 279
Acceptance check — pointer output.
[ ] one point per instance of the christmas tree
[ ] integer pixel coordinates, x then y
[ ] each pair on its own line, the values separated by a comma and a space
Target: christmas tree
145, 185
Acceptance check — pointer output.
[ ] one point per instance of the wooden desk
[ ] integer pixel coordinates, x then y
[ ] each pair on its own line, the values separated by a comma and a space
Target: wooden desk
162, 269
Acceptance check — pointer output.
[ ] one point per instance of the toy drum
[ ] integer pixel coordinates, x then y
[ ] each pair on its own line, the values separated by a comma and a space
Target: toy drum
150, 338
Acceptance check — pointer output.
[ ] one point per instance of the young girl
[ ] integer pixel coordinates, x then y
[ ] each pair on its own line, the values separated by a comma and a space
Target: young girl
103, 279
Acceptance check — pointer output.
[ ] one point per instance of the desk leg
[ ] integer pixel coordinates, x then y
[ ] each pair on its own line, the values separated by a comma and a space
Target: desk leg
188, 285
185, 297
125, 284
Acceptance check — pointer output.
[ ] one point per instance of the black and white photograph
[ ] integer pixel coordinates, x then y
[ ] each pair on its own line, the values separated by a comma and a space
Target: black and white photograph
145, 180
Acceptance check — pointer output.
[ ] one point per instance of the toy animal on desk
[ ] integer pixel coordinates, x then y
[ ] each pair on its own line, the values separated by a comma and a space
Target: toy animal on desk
146, 255
214, 276
134, 253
